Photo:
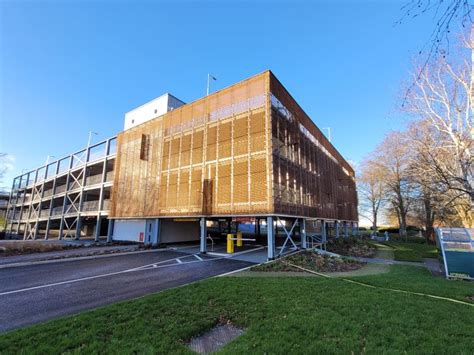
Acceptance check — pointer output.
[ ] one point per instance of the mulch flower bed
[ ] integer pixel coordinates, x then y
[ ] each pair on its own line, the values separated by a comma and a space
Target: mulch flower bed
351, 247
20, 248
311, 261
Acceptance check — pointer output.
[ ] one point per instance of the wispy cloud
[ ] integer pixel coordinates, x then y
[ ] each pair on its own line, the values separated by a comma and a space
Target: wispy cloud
7, 162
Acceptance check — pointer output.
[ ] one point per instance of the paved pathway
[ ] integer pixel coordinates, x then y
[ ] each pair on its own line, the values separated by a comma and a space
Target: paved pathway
434, 266
386, 261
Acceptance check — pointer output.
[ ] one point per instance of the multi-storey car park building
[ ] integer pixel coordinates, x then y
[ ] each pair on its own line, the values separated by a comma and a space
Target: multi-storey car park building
246, 154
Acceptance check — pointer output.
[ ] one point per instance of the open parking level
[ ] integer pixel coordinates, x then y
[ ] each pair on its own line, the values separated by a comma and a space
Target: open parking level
36, 293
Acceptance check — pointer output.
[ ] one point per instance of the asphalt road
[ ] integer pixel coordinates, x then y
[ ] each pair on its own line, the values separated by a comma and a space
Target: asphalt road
37, 293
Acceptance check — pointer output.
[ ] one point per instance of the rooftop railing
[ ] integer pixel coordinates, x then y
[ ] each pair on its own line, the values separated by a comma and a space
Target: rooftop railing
95, 152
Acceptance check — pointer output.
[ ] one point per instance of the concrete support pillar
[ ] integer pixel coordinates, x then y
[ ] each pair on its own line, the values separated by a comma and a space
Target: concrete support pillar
35, 234
78, 228
346, 232
46, 232
303, 233
110, 230
97, 227
203, 248
323, 230
336, 226
270, 238
353, 229
61, 228
26, 230
156, 235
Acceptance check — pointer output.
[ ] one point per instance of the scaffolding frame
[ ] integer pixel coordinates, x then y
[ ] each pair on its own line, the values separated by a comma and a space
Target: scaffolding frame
30, 207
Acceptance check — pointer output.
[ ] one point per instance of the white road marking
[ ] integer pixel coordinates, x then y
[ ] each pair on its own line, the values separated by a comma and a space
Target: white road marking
160, 262
198, 257
145, 267
179, 261
236, 254
53, 261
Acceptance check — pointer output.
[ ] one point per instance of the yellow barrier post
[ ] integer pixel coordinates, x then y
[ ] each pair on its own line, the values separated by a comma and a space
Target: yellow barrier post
239, 239
230, 244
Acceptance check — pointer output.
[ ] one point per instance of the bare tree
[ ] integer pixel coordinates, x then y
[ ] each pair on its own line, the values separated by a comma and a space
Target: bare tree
442, 102
3, 167
442, 199
372, 192
445, 13
393, 161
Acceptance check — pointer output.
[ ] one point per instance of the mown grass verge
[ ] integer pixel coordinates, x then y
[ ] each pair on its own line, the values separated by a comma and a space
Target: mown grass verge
280, 315
412, 251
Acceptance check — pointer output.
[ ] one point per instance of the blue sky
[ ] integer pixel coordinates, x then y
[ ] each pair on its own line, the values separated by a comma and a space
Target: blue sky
70, 67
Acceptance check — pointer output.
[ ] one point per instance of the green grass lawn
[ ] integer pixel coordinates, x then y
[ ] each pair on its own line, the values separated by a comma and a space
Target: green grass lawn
280, 315
412, 251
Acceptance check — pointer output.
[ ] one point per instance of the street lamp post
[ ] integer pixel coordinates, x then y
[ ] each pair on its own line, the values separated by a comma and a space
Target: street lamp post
209, 77
90, 137
329, 133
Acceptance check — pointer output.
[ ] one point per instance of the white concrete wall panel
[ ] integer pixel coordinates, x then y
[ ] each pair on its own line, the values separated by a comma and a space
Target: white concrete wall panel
129, 230
150, 110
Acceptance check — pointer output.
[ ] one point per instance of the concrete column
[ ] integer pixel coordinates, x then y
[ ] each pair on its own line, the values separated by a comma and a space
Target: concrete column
203, 248
270, 238
110, 230
323, 230
61, 227
27, 229
78, 227
46, 232
35, 234
336, 226
156, 233
346, 233
97, 227
303, 233
353, 229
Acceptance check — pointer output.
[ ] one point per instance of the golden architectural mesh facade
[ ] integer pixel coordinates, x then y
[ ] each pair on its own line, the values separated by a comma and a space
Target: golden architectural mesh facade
310, 177
245, 150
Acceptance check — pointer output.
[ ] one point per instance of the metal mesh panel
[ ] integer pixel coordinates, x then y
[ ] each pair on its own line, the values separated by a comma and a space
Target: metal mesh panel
209, 157
310, 177
247, 149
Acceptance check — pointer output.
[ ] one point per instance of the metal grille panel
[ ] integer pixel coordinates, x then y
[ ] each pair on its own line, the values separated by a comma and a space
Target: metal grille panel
247, 149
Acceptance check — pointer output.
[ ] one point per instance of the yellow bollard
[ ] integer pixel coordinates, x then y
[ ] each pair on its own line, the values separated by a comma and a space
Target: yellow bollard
230, 243
239, 239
